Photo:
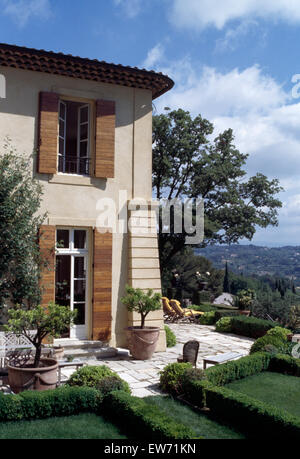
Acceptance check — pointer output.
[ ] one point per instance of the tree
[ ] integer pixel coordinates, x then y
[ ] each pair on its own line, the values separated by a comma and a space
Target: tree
45, 322
20, 258
143, 303
226, 284
186, 164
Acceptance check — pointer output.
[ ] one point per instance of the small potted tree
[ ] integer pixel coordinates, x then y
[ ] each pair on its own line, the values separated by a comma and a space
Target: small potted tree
36, 324
142, 340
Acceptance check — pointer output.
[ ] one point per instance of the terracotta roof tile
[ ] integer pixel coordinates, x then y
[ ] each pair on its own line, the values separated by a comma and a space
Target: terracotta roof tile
83, 68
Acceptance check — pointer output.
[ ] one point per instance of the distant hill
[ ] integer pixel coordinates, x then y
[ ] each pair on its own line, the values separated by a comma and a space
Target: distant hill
252, 259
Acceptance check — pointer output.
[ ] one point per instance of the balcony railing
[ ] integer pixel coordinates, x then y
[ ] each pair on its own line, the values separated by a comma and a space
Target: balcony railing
71, 165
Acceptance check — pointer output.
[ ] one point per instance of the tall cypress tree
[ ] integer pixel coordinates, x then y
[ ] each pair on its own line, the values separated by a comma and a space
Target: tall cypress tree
226, 285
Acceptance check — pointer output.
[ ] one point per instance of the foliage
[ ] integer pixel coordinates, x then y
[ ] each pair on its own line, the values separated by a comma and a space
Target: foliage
282, 333
112, 383
45, 322
256, 418
186, 164
208, 318
250, 326
223, 325
170, 377
220, 375
244, 299
277, 341
90, 376
187, 264
170, 337
64, 401
285, 364
143, 420
143, 303
20, 258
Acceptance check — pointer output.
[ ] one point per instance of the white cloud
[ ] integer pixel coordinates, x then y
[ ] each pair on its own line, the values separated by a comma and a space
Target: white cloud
131, 8
233, 36
198, 14
21, 11
264, 117
154, 56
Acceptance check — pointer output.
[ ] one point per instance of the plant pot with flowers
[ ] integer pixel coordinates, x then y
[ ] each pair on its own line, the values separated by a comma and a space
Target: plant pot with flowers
37, 373
142, 340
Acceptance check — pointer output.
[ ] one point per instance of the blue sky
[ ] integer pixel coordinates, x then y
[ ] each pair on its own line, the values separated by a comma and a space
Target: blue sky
232, 61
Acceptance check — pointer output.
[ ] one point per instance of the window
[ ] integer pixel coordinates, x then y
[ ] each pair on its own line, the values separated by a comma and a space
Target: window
74, 138
71, 277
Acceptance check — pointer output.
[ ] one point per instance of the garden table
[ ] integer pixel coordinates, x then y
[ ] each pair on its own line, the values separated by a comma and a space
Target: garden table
220, 358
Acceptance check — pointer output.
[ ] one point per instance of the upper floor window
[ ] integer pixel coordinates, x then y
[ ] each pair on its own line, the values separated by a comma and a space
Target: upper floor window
74, 138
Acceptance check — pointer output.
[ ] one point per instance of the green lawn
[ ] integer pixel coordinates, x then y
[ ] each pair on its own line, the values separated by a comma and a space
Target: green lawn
83, 426
277, 389
199, 422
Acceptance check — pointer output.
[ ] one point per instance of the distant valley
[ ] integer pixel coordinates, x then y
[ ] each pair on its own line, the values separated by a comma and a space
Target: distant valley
252, 259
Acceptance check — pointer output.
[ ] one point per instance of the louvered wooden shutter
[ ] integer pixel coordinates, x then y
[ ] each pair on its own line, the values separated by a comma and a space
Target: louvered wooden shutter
105, 139
47, 248
48, 133
102, 286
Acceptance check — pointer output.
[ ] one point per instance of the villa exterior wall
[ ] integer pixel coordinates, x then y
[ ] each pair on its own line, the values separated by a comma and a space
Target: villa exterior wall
71, 201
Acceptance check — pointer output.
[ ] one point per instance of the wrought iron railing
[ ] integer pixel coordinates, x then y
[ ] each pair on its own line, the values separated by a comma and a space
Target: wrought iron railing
71, 165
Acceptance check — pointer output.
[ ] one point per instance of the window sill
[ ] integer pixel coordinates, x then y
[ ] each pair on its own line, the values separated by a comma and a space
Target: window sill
68, 179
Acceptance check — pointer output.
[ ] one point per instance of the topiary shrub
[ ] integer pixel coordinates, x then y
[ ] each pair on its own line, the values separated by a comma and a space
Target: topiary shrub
170, 337
224, 325
208, 318
90, 376
280, 332
170, 377
112, 383
267, 340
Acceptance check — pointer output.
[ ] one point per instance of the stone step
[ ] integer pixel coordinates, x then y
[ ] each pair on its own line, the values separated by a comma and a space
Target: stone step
90, 353
70, 344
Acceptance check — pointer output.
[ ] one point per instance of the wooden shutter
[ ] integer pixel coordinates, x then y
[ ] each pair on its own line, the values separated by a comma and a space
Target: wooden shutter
102, 286
48, 133
47, 236
105, 139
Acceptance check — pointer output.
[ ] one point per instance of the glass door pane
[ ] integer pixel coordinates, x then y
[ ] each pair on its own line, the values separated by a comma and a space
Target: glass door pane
63, 285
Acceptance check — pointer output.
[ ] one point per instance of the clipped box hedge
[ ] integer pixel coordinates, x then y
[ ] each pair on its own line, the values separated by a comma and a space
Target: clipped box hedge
251, 326
246, 413
142, 420
64, 401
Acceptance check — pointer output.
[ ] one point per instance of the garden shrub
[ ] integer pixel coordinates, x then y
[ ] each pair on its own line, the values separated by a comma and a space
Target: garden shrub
170, 377
285, 364
280, 332
10, 407
90, 376
225, 313
204, 307
257, 418
224, 325
143, 420
251, 326
261, 344
170, 337
64, 401
208, 318
220, 375
111, 384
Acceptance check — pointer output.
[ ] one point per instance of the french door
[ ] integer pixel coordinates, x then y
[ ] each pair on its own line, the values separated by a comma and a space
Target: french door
71, 280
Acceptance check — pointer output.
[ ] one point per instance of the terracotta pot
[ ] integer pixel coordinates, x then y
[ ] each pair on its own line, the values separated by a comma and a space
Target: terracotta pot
142, 341
245, 313
42, 378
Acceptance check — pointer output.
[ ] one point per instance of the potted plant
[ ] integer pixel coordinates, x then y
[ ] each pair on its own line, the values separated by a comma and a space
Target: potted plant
245, 300
36, 324
142, 340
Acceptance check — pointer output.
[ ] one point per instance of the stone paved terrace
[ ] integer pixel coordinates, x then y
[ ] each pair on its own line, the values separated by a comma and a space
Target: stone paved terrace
143, 376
